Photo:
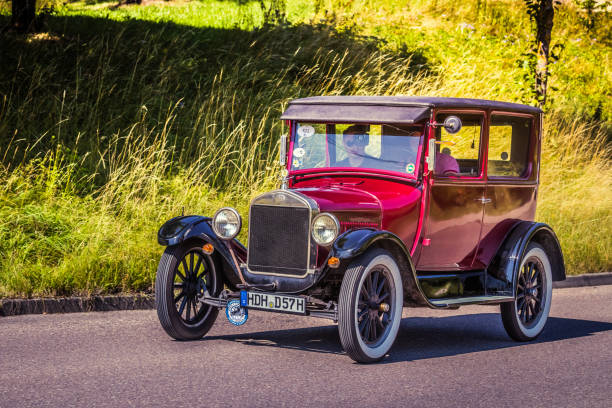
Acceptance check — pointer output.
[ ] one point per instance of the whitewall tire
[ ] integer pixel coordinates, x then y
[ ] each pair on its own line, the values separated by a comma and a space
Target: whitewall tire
525, 317
370, 306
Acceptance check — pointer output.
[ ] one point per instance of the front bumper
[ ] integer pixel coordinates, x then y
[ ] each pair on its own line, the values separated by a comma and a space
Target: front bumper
314, 307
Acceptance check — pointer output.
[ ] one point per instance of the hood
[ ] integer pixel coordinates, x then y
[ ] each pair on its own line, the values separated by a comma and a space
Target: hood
374, 203
353, 207
342, 198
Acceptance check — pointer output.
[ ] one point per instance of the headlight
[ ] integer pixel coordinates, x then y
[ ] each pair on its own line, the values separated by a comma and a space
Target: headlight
226, 223
325, 228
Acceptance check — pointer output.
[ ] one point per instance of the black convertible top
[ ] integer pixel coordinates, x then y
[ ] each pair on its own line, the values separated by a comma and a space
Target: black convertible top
387, 109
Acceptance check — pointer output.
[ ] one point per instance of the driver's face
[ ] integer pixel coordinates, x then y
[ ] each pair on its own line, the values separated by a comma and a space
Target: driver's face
350, 144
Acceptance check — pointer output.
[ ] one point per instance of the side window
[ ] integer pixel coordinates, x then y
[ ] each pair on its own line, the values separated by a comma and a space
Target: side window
458, 154
508, 146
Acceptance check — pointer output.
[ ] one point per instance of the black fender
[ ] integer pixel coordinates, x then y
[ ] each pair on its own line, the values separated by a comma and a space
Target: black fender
503, 270
180, 229
355, 242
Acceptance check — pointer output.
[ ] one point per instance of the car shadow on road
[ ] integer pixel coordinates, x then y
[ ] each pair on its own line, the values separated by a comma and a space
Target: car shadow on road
424, 337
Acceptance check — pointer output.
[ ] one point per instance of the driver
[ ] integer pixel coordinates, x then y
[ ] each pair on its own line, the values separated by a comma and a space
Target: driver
355, 138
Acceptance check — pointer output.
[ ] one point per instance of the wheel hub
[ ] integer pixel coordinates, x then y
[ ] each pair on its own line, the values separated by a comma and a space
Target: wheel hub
190, 287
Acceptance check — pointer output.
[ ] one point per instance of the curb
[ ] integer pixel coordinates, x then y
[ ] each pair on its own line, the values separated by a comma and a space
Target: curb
14, 307
588, 279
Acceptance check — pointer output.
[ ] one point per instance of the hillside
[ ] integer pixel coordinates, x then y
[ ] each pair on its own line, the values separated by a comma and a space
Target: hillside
114, 119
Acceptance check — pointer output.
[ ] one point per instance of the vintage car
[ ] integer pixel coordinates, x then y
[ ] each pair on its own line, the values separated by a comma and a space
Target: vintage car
384, 202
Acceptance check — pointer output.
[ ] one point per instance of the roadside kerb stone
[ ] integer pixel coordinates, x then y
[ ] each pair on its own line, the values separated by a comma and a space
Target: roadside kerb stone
13, 307
588, 279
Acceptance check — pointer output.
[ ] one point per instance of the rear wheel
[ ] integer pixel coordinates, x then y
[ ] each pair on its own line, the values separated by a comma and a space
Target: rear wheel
525, 317
370, 306
183, 273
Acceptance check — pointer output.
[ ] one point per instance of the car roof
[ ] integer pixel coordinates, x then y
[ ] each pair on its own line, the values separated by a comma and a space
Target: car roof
400, 109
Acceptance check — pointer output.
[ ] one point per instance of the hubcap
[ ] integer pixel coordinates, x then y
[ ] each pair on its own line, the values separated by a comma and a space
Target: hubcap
374, 312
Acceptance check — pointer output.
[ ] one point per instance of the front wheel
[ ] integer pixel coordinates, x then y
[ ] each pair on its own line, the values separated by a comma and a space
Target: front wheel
525, 317
370, 306
183, 272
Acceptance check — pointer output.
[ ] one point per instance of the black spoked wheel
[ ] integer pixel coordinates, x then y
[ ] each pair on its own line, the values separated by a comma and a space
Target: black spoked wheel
525, 317
183, 273
370, 306
191, 276
373, 307
529, 294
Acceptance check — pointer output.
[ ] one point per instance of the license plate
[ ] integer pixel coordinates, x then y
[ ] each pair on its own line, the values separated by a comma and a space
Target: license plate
269, 301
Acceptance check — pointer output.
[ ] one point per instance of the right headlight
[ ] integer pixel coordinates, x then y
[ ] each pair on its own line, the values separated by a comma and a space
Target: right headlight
325, 229
226, 223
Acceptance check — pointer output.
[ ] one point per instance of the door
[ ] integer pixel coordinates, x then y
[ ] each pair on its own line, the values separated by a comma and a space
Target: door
511, 179
456, 197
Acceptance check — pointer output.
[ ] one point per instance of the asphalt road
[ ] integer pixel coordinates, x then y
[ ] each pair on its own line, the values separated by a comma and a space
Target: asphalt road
441, 359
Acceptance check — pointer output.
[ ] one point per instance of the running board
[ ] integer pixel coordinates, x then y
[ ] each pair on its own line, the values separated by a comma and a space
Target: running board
470, 300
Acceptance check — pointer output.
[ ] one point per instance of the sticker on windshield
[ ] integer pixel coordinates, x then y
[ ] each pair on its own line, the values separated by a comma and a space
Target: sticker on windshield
299, 152
306, 131
296, 163
410, 168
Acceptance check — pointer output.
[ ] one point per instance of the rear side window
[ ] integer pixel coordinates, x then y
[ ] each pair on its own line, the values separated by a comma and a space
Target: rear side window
508, 146
458, 154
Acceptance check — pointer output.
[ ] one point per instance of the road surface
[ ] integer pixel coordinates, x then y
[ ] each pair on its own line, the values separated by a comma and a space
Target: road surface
441, 359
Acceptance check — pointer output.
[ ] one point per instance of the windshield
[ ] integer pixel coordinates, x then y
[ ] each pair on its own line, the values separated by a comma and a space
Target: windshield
381, 147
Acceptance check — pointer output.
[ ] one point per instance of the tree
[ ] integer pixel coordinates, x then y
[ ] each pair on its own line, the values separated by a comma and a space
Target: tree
276, 13
594, 11
541, 13
24, 15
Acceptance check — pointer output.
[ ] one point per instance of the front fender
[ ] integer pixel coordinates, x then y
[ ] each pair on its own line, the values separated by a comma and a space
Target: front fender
180, 229
353, 243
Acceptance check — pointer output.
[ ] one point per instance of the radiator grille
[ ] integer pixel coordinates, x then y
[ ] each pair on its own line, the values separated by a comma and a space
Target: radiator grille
279, 239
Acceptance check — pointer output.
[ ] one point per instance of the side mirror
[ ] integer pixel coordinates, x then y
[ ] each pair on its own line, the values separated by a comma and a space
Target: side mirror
452, 124
283, 150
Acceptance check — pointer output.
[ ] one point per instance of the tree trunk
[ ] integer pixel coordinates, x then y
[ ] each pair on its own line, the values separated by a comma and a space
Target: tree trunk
544, 21
24, 14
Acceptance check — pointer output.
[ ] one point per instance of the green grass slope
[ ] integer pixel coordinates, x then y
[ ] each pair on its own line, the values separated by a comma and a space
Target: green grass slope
113, 120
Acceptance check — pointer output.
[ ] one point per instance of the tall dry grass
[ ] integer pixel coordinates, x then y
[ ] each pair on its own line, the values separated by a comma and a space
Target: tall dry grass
108, 139
576, 191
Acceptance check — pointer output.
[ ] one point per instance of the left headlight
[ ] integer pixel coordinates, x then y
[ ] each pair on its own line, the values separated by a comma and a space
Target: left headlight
226, 223
325, 229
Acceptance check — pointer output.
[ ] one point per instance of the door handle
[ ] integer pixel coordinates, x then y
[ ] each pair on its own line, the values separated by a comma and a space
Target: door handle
483, 200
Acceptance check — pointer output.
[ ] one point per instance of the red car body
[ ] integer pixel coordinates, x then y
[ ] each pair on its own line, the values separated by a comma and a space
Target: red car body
484, 208
450, 222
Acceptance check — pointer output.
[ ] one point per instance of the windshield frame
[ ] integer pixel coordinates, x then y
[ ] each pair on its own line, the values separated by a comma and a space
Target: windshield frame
417, 175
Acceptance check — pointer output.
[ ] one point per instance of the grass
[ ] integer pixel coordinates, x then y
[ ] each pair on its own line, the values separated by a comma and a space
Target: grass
114, 120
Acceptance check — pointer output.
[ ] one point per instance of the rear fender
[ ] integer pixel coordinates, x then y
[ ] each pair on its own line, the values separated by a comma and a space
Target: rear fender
503, 271
183, 228
353, 243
